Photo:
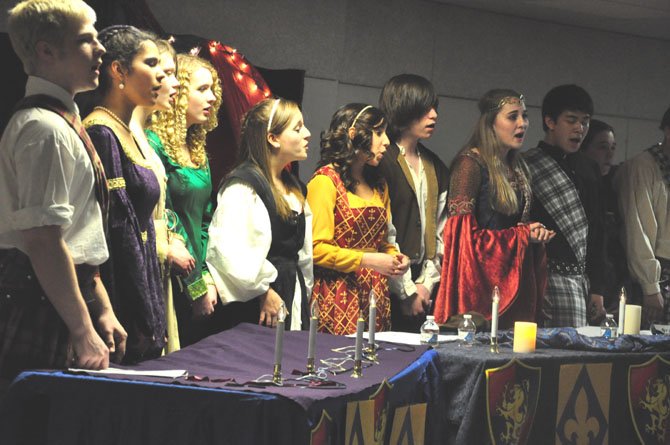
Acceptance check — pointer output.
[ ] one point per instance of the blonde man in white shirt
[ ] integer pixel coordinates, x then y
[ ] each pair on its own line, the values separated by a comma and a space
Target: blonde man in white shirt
643, 187
55, 312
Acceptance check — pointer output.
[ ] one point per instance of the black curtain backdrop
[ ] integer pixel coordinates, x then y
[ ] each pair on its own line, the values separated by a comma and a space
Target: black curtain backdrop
13, 87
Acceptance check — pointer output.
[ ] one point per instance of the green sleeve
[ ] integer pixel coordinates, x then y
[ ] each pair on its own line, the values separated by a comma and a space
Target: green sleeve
195, 282
206, 221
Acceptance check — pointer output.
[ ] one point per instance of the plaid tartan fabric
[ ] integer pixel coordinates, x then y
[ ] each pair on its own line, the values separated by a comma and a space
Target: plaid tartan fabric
32, 334
566, 298
558, 194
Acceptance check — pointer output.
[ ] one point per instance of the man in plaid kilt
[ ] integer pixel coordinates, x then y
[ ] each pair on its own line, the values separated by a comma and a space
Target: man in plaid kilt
566, 199
54, 310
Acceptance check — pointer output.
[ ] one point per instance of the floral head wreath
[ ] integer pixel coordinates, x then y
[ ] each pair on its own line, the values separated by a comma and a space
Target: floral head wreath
512, 100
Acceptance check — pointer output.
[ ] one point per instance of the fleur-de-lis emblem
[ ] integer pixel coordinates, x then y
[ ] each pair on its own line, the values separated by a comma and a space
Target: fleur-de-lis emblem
582, 428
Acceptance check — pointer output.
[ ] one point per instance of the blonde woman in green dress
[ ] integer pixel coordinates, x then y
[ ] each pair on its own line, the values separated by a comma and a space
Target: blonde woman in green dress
179, 139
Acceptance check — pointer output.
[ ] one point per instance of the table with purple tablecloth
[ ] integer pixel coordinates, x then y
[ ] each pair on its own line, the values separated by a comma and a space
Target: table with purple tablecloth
220, 402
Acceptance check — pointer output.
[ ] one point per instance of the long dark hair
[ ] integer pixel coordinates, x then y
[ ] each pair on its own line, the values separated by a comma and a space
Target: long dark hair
404, 99
341, 150
122, 43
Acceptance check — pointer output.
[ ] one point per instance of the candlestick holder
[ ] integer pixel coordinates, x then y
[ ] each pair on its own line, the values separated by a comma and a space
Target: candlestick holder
371, 353
276, 374
358, 369
494, 345
310, 366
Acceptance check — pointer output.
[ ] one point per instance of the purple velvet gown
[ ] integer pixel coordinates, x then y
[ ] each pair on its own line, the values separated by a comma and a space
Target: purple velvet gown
131, 275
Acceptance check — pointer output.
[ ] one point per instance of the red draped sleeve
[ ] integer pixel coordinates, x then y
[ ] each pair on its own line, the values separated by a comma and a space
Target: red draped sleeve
476, 259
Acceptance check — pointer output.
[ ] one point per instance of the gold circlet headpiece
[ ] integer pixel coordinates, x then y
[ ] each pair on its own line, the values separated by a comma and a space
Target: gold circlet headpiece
513, 100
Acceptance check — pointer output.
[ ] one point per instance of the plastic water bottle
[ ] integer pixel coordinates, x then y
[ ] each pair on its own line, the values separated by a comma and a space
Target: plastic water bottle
466, 331
608, 327
429, 331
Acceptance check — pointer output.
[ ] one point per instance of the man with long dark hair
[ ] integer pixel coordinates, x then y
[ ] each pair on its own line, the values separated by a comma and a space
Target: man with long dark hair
417, 181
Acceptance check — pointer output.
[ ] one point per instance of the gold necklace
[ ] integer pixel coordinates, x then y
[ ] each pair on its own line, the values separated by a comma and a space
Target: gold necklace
114, 117
136, 156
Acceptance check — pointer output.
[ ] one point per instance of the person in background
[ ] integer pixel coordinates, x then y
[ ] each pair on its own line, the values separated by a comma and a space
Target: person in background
351, 222
170, 247
417, 181
260, 247
642, 185
56, 312
599, 144
488, 239
182, 129
130, 76
566, 199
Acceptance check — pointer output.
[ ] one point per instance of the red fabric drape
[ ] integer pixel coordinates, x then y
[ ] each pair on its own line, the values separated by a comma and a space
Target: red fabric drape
242, 87
242, 84
476, 260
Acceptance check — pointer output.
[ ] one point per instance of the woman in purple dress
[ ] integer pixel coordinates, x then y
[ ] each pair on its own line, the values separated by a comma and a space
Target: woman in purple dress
130, 76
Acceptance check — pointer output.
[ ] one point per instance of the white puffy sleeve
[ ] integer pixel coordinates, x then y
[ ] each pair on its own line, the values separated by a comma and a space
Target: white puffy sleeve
305, 260
239, 240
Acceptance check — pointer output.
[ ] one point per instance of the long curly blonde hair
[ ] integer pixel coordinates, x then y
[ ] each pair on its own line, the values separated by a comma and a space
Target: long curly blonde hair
170, 125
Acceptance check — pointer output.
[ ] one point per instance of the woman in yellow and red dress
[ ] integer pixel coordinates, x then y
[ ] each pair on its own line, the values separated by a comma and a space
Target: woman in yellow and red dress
351, 221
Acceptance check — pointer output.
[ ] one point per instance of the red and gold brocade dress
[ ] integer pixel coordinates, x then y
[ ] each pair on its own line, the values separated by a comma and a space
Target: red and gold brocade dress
484, 248
344, 227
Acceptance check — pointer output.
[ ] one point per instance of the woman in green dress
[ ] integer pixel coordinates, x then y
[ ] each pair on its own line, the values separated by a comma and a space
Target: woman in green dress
178, 136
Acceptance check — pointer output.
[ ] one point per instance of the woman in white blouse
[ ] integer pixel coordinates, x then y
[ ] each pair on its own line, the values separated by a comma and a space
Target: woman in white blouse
259, 253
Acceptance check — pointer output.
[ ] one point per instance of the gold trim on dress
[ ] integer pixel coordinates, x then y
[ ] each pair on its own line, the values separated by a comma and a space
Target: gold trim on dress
102, 116
116, 183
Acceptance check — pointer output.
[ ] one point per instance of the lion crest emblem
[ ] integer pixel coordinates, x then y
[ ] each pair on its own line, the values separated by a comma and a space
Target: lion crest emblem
512, 396
657, 404
513, 409
649, 400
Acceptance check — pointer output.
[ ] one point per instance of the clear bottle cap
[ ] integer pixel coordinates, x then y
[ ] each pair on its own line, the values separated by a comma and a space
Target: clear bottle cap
467, 316
609, 315
430, 317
